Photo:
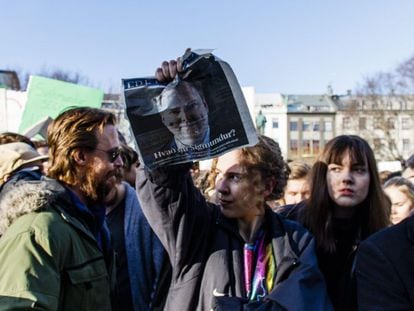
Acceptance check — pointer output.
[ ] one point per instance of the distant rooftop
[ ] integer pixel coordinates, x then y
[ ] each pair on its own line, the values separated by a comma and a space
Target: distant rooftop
309, 103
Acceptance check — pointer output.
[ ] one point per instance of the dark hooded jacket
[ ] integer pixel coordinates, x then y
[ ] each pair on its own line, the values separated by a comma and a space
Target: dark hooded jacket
206, 251
385, 269
338, 267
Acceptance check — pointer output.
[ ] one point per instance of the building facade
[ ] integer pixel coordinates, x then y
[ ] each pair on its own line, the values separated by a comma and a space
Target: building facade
386, 122
302, 124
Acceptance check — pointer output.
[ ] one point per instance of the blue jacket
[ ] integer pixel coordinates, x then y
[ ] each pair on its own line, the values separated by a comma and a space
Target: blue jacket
145, 253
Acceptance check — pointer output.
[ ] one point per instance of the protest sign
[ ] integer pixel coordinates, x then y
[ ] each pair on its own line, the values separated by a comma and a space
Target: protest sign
199, 115
48, 97
12, 104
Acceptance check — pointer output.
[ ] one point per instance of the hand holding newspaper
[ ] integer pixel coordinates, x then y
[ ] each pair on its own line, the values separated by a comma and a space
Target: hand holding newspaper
199, 115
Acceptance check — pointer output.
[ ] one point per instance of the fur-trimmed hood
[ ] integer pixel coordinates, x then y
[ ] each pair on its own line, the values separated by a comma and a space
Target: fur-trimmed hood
28, 197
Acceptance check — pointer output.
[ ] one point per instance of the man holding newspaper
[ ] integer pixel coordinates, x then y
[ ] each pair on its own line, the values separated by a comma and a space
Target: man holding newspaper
237, 254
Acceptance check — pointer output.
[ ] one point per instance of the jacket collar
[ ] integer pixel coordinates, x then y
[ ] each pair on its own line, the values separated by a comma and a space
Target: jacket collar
35, 196
284, 250
282, 246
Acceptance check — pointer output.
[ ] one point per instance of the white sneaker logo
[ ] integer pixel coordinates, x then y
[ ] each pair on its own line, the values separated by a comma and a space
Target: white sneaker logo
218, 294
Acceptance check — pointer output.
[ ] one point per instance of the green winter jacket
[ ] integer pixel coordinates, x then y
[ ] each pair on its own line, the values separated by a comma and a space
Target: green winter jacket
49, 258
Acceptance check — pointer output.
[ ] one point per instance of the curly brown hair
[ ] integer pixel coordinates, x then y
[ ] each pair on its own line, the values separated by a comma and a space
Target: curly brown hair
266, 158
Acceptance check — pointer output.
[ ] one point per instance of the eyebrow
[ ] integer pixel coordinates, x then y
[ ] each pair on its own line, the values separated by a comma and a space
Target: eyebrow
352, 164
230, 172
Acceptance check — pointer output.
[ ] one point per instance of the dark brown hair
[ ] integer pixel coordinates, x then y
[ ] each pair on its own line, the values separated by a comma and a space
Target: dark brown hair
317, 215
410, 162
129, 156
266, 158
73, 129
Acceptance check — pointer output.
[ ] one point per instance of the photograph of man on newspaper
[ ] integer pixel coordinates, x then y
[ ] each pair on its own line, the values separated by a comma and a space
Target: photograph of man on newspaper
200, 114
185, 114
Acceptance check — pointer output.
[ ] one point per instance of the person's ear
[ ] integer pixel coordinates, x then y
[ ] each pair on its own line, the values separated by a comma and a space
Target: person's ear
80, 156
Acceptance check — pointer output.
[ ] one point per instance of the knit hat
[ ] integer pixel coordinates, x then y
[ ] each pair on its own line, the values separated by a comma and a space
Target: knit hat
15, 155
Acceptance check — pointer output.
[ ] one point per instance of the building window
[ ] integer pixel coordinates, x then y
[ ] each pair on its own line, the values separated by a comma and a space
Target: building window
377, 123
294, 146
316, 126
275, 123
391, 123
328, 126
306, 126
293, 125
346, 123
315, 146
362, 123
306, 146
405, 123
406, 144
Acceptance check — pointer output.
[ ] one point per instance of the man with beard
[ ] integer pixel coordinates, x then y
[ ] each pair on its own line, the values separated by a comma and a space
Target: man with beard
55, 250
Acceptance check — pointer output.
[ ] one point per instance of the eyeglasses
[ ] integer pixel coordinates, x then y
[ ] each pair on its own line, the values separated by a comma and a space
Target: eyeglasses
112, 154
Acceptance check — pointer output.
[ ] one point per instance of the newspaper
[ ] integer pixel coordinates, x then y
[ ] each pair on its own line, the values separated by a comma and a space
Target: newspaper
199, 115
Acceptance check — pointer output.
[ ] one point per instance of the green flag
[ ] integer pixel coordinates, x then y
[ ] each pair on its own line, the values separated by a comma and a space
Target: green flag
49, 97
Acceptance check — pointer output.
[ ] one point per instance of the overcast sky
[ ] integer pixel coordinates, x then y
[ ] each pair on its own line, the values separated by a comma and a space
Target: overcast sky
287, 46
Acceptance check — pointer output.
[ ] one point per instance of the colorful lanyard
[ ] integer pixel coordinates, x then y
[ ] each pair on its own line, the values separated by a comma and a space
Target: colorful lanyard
259, 268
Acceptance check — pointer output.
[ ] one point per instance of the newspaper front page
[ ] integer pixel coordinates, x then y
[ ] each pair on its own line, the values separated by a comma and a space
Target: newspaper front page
199, 115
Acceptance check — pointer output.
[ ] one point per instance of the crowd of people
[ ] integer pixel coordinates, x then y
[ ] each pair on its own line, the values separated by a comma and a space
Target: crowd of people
87, 226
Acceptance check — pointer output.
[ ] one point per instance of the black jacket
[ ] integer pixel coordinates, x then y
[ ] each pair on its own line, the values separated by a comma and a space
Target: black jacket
337, 267
206, 251
385, 269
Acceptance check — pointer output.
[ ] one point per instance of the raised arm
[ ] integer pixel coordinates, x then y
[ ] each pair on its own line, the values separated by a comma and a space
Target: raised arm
169, 69
176, 211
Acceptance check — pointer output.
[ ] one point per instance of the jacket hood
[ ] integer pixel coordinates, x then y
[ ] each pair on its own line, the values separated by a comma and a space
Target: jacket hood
25, 198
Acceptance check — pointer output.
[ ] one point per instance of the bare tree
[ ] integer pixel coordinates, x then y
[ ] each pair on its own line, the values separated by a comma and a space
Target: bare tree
66, 76
54, 73
384, 100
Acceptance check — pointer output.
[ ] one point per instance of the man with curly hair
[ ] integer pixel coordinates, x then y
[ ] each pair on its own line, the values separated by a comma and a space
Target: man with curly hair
237, 254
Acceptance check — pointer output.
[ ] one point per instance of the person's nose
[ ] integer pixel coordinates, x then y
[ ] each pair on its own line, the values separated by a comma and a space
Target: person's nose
183, 116
347, 177
118, 162
221, 184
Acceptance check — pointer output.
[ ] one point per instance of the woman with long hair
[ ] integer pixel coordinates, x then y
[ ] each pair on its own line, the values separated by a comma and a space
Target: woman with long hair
346, 205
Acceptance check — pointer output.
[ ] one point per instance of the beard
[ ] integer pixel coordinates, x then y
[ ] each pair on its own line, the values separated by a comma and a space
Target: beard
96, 187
